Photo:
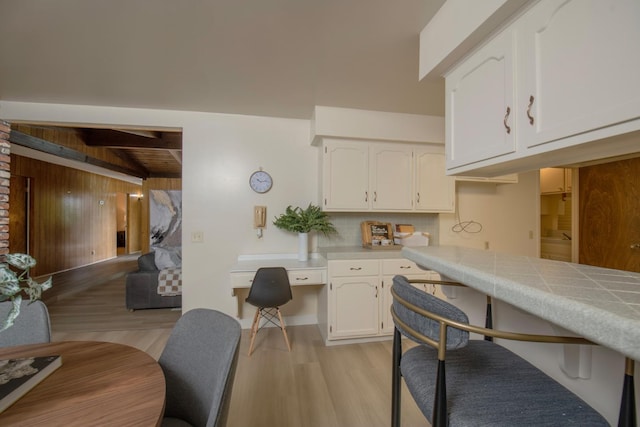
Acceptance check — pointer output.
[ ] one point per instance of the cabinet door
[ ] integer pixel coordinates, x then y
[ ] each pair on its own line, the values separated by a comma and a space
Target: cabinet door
578, 70
391, 177
552, 180
480, 117
354, 307
345, 175
435, 191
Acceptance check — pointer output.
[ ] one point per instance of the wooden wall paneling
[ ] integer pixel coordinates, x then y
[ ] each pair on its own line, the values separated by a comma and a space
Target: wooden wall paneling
69, 223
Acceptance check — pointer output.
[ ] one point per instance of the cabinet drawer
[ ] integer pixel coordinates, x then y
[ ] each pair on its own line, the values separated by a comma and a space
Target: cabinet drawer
306, 277
357, 267
296, 277
400, 266
241, 280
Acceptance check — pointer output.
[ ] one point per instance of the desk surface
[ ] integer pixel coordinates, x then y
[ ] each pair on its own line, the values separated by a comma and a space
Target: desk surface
252, 264
99, 383
600, 304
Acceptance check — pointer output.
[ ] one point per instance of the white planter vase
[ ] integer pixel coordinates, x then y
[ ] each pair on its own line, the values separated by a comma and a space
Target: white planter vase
303, 246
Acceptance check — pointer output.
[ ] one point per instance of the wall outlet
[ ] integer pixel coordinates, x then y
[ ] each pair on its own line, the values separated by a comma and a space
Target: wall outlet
197, 237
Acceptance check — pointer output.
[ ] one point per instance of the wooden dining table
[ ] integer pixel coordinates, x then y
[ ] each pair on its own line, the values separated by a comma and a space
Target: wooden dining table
98, 384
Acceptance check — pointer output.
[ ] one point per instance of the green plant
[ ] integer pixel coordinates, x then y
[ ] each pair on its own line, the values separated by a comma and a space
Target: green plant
305, 220
12, 284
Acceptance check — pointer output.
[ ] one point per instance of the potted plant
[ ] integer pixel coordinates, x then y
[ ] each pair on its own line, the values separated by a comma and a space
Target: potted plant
13, 284
303, 221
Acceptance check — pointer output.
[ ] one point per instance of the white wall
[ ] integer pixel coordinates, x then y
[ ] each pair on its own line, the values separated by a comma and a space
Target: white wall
505, 214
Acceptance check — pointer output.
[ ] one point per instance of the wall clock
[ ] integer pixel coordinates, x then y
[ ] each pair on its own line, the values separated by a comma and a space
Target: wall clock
260, 181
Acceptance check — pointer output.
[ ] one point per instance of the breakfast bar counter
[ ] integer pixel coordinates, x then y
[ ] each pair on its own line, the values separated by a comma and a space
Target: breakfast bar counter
600, 304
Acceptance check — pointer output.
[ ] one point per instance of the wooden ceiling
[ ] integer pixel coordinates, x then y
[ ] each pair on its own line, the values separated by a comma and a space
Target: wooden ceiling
157, 154
138, 153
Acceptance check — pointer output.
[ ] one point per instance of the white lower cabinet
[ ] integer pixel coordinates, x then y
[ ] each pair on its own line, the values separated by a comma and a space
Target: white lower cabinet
358, 296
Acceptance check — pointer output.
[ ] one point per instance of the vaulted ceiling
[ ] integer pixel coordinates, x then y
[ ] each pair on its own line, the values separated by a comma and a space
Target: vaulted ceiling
276, 58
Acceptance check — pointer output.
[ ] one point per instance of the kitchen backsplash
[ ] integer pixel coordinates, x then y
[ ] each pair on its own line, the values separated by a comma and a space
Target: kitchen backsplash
348, 226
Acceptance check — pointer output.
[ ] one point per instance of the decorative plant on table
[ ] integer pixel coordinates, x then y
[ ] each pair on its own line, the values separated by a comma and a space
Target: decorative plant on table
13, 284
303, 221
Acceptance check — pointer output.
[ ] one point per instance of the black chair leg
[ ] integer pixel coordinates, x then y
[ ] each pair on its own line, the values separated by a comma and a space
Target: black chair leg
440, 400
627, 416
488, 320
395, 379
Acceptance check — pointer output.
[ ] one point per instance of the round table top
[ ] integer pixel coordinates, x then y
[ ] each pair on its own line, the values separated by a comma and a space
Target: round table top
98, 384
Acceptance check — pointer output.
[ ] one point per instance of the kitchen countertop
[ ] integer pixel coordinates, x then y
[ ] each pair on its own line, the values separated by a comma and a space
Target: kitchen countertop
600, 304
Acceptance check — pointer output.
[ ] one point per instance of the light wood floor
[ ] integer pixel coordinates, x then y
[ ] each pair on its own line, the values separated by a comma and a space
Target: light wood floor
314, 385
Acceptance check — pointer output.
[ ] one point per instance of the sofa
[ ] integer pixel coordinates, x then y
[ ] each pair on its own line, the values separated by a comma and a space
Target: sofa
141, 287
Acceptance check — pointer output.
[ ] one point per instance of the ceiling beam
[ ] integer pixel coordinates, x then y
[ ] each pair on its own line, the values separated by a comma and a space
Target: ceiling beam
38, 144
115, 139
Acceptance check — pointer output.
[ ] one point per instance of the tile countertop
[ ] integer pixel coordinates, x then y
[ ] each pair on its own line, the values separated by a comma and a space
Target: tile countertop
600, 304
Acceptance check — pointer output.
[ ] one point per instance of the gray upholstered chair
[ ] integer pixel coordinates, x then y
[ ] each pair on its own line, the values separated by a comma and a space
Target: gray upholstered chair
199, 364
484, 384
270, 289
32, 326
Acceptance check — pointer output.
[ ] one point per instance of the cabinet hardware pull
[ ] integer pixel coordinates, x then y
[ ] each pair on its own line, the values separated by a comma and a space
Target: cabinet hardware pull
418, 198
366, 196
355, 268
531, 99
506, 116
405, 266
376, 292
375, 196
635, 246
302, 278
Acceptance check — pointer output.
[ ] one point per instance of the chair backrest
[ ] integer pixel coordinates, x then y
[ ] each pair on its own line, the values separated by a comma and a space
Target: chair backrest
199, 363
32, 326
270, 287
405, 291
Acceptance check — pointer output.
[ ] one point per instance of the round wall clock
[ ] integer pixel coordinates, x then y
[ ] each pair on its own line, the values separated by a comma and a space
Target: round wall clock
260, 181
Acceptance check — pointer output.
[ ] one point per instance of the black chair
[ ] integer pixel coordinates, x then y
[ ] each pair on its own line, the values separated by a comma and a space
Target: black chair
199, 364
270, 289
484, 384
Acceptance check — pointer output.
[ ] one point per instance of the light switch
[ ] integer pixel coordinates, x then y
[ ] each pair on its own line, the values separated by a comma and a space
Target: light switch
197, 237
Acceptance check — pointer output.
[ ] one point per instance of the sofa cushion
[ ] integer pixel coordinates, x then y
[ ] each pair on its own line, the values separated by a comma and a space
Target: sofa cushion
147, 262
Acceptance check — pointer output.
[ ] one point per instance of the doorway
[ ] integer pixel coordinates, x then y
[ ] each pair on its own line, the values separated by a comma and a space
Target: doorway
20, 214
128, 223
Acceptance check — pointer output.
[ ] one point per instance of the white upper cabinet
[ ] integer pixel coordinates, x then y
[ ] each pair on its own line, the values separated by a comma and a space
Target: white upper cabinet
579, 67
391, 177
550, 88
480, 118
385, 177
435, 191
345, 175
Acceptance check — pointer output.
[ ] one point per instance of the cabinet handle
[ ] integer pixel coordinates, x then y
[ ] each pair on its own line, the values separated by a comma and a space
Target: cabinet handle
302, 278
375, 196
376, 292
355, 268
531, 99
506, 116
418, 198
635, 246
366, 196
405, 266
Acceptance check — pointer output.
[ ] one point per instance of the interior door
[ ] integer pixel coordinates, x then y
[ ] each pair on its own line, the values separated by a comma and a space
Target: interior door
610, 215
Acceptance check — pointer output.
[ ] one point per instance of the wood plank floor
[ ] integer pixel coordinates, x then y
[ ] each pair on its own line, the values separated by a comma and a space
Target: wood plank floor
314, 385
